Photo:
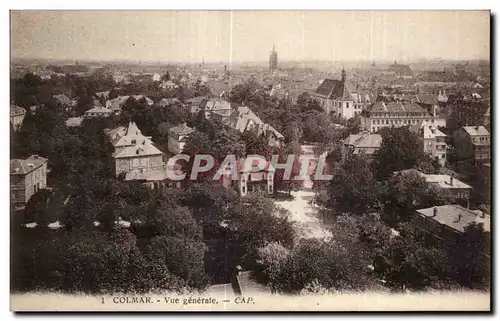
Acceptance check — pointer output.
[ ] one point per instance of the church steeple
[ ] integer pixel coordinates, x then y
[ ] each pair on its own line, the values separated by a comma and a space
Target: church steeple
343, 74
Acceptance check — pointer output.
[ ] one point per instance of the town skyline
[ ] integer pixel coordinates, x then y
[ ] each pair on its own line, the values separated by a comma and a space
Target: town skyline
196, 36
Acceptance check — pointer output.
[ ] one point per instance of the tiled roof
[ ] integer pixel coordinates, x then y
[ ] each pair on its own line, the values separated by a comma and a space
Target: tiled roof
117, 103
182, 130
133, 134
241, 118
99, 109
427, 99
16, 110
455, 217
476, 130
146, 149
396, 107
215, 104
431, 132
441, 180
25, 166
364, 140
333, 89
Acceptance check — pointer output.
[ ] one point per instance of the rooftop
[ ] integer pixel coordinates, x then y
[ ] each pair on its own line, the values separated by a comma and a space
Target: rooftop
150, 176
333, 89
396, 107
144, 149
476, 130
432, 132
182, 130
16, 110
441, 180
456, 217
365, 140
25, 166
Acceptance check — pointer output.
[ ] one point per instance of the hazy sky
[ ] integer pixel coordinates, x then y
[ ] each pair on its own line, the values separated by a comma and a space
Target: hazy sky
249, 35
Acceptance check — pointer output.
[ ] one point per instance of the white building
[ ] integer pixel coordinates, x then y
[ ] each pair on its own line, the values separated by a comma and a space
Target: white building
177, 137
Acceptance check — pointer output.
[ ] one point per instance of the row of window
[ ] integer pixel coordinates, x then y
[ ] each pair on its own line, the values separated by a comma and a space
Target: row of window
398, 115
394, 121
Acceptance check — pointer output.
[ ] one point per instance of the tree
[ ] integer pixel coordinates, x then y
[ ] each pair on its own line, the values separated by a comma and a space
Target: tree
469, 257
405, 193
182, 257
353, 188
405, 263
38, 209
400, 149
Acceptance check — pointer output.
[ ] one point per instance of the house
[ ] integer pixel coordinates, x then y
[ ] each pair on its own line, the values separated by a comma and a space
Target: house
148, 100
440, 225
244, 119
177, 137
98, 112
27, 176
250, 182
138, 159
168, 85
334, 97
132, 137
472, 142
393, 114
65, 103
364, 142
116, 104
156, 77
115, 134
434, 143
215, 105
401, 70
451, 189
196, 103
17, 116
164, 102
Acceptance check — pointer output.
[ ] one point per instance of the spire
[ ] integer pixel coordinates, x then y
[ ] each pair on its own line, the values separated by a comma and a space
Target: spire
274, 47
343, 74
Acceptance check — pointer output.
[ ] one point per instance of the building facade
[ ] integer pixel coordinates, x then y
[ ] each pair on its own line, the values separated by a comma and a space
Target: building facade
472, 142
394, 114
334, 97
177, 137
434, 143
17, 116
27, 176
440, 225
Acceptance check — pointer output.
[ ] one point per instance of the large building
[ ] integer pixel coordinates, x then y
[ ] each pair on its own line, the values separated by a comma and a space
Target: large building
450, 189
273, 61
27, 176
472, 142
334, 97
434, 143
394, 114
138, 159
440, 225
17, 116
401, 70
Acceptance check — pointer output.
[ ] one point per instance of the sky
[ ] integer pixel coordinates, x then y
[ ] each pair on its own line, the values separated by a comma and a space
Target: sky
239, 36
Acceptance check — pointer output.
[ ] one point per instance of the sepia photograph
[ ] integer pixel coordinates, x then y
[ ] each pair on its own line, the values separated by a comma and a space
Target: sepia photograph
250, 160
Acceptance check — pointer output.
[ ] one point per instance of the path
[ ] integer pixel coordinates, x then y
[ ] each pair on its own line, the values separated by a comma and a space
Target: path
305, 214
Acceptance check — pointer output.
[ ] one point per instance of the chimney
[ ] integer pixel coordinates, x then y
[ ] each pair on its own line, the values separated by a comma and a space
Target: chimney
459, 218
451, 181
434, 211
477, 127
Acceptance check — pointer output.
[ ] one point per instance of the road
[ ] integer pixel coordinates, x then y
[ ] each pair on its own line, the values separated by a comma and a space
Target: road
305, 215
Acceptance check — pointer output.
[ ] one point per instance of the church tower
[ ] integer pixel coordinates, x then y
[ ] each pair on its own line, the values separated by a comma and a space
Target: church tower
273, 60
